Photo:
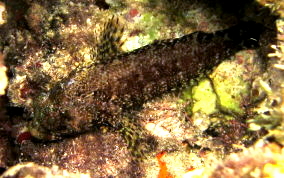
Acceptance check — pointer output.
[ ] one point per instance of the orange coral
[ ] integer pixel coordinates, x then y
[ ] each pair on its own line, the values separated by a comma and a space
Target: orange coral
163, 173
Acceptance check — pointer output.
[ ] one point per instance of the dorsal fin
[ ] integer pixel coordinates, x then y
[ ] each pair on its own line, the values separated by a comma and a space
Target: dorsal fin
109, 44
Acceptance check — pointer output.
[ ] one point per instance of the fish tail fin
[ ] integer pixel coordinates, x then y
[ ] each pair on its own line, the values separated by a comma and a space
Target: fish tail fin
245, 35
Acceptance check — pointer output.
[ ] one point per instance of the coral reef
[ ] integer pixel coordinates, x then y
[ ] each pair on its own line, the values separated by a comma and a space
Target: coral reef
3, 76
34, 170
109, 155
262, 160
6, 158
141, 88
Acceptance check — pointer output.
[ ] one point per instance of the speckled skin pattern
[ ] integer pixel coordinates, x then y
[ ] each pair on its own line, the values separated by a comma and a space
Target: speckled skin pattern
106, 92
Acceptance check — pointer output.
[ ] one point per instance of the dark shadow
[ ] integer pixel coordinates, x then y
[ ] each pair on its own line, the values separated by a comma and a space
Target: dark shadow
226, 13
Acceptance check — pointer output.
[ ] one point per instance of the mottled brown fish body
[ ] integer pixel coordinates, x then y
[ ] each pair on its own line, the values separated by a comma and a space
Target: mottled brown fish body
102, 93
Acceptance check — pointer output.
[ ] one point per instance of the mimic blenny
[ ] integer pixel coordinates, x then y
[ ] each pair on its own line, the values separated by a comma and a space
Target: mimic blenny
108, 91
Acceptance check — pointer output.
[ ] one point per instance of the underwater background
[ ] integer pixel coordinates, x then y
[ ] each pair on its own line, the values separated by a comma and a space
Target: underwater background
141, 88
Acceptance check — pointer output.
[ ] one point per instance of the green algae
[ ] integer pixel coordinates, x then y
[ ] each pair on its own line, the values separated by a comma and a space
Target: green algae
225, 90
204, 98
230, 87
153, 24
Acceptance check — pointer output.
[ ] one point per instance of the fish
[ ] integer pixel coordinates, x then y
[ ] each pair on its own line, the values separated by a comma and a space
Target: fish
109, 91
